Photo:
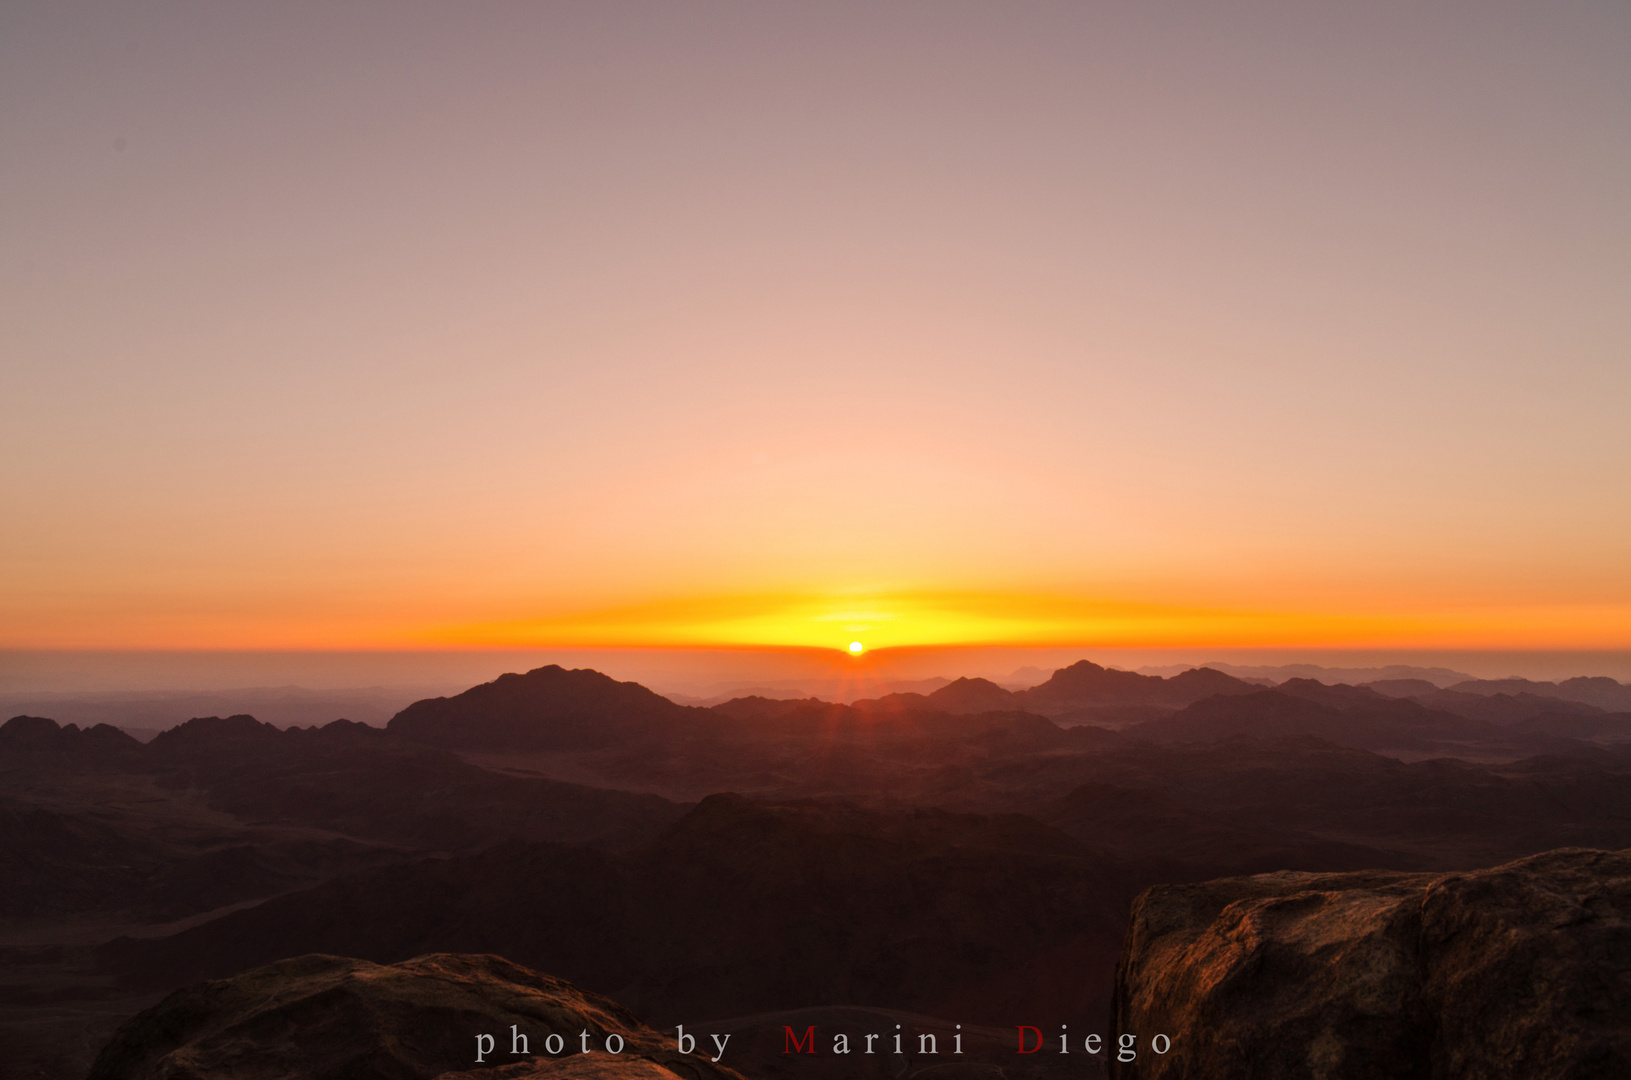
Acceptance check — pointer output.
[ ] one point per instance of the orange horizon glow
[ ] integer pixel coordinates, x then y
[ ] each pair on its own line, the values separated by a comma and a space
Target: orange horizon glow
895, 621
976, 620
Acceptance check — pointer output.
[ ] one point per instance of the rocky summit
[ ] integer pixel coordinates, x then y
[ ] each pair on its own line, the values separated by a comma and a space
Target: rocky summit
327, 1017
1521, 971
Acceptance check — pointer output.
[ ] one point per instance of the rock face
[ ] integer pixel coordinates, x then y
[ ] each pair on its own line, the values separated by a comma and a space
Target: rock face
327, 1017
1521, 971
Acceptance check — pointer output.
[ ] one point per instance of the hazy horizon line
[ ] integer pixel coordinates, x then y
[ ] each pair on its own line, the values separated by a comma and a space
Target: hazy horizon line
686, 670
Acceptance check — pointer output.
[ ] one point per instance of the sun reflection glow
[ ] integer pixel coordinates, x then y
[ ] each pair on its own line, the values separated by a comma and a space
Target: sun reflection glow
929, 619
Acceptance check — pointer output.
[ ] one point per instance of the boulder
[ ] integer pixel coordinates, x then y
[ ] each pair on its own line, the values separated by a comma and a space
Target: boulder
1521, 971
322, 1017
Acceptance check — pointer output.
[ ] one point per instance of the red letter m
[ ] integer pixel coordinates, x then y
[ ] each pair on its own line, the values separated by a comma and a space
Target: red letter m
796, 1045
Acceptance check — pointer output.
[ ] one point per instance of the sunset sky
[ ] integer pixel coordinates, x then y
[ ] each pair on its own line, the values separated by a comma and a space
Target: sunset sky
716, 324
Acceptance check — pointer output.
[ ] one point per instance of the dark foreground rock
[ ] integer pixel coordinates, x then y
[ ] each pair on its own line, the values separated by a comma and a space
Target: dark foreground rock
1521, 971
328, 1017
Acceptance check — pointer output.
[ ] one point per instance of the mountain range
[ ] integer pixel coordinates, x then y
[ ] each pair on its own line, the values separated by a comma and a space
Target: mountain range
970, 852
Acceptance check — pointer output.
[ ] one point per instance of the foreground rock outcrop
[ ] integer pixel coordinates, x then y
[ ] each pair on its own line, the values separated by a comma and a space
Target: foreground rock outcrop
1521, 971
329, 1017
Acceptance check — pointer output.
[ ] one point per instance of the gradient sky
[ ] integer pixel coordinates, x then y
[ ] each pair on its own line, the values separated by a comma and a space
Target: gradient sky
347, 325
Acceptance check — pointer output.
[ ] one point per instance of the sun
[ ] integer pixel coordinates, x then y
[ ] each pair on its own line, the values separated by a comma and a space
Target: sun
855, 648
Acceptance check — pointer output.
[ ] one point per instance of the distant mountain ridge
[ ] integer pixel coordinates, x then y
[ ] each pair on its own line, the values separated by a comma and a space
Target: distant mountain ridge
1599, 690
1274, 674
1081, 686
1341, 715
1085, 684
552, 708
347, 777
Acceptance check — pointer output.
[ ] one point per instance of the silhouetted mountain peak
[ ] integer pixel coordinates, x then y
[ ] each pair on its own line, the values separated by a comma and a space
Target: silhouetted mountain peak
1082, 672
547, 708
35, 736
215, 729
346, 729
1205, 680
31, 732
967, 695
1085, 684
